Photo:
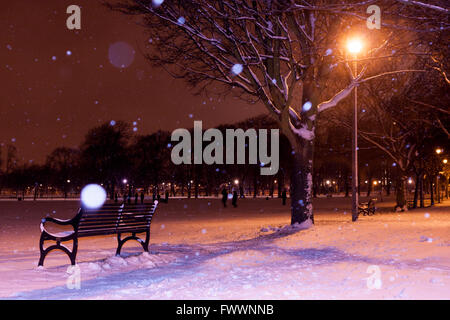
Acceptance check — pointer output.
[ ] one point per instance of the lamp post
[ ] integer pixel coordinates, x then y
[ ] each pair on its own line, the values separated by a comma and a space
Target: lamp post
445, 161
438, 187
354, 46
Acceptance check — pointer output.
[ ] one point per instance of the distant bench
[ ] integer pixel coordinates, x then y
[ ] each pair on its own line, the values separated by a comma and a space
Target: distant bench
111, 218
367, 208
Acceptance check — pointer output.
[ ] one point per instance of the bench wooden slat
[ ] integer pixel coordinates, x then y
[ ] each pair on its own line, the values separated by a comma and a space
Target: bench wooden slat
113, 226
109, 232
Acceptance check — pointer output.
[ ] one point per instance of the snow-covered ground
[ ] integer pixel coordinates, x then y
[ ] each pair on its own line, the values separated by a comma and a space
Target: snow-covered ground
200, 250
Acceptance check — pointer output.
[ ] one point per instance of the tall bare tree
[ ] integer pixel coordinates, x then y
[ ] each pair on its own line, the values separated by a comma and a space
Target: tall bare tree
289, 55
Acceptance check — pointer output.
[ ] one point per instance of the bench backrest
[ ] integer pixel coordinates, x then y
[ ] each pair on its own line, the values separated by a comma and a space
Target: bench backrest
115, 218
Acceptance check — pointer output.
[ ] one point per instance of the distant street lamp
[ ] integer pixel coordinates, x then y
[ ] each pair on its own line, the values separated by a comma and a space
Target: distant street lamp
354, 46
438, 187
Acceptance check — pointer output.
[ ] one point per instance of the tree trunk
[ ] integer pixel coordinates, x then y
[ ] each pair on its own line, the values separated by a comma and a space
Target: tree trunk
113, 191
388, 188
369, 186
432, 191
301, 183
421, 191
400, 191
280, 182
255, 183
416, 191
346, 184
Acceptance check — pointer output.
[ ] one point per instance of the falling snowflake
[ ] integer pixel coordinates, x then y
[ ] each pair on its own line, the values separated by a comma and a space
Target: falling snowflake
93, 196
121, 54
237, 69
307, 106
157, 3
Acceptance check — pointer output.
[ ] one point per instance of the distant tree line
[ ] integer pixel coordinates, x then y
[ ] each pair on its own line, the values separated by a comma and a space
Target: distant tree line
113, 156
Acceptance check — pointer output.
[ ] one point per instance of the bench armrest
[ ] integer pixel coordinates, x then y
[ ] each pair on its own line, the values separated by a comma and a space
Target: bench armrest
57, 221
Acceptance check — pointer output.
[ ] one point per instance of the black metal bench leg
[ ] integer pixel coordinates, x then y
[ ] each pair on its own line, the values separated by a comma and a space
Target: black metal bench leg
119, 244
146, 242
41, 249
72, 254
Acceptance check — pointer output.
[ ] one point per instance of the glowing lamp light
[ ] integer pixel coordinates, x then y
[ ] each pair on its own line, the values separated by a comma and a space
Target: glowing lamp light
124, 181
439, 150
327, 182
445, 161
354, 46
93, 196
375, 183
236, 181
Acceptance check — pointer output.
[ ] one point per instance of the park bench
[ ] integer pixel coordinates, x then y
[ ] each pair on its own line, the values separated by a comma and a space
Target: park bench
367, 208
111, 218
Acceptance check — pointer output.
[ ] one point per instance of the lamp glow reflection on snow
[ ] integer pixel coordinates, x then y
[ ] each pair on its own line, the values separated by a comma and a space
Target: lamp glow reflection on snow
93, 196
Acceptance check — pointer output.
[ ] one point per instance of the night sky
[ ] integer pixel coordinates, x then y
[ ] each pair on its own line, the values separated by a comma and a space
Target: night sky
57, 83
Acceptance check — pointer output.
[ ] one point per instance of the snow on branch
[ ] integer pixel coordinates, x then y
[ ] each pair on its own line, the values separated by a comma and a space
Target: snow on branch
337, 97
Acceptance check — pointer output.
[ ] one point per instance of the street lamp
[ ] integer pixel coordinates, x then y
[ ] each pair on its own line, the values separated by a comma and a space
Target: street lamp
354, 46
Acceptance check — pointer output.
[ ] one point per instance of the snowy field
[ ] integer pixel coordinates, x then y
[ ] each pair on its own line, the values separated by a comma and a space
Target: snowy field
200, 250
